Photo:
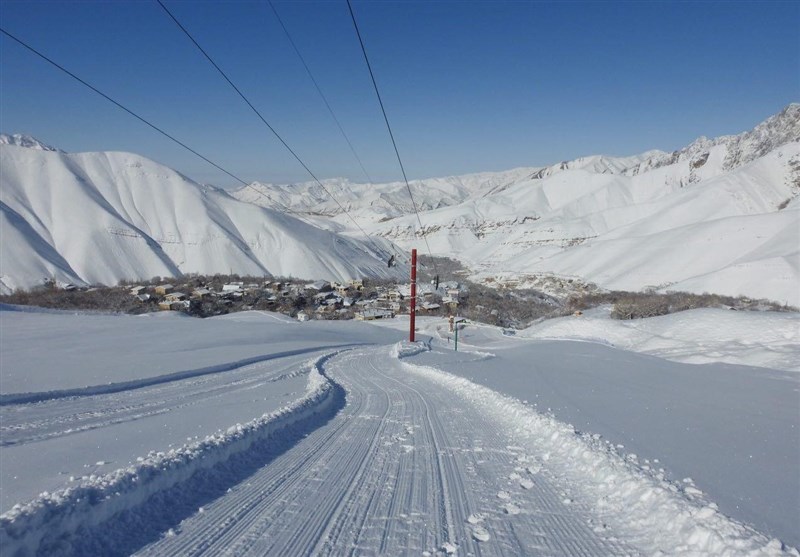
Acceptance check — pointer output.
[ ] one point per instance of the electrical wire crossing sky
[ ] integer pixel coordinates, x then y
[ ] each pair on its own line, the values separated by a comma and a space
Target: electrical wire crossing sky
468, 87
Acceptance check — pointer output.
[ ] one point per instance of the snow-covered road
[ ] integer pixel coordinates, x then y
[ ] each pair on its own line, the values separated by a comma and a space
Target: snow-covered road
402, 469
332, 447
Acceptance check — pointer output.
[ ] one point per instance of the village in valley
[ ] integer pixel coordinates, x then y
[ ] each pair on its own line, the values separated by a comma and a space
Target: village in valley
500, 302
353, 299
360, 299
497, 301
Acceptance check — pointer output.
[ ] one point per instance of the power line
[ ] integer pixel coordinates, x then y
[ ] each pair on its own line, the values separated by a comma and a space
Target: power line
135, 115
129, 111
389, 127
321, 94
274, 132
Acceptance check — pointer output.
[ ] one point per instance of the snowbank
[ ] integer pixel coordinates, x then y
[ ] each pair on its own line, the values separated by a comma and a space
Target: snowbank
663, 518
46, 524
764, 339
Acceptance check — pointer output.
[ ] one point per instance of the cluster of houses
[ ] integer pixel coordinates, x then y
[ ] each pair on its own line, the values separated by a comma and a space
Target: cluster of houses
318, 300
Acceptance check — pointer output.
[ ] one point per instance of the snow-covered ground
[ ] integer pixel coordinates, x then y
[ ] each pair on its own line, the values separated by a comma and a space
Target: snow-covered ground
700, 336
103, 217
721, 215
255, 434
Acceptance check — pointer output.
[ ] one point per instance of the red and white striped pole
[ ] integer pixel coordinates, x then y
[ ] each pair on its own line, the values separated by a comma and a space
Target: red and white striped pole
413, 293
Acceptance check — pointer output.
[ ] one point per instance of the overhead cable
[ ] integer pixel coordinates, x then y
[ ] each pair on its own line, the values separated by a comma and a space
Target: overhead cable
274, 132
321, 94
135, 115
389, 127
119, 105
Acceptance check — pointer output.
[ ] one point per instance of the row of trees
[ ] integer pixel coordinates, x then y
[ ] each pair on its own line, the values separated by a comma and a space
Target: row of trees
502, 307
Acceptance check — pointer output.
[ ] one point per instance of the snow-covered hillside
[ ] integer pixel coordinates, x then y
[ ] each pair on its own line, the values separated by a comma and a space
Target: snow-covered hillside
378, 202
22, 140
721, 215
103, 217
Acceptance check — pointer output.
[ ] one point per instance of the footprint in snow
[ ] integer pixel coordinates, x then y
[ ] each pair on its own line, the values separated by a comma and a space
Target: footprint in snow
448, 548
511, 509
504, 495
481, 534
475, 518
526, 484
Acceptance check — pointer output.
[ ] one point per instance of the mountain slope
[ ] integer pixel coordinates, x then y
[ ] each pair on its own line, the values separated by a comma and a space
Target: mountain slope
725, 234
702, 159
377, 202
720, 215
103, 217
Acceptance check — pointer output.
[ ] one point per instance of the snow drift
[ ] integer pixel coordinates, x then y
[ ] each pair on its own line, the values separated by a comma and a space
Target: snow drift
53, 522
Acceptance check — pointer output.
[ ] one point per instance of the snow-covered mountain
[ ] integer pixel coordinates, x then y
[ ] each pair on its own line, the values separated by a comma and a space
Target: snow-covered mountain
22, 140
380, 202
720, 215
376, 202
103, 217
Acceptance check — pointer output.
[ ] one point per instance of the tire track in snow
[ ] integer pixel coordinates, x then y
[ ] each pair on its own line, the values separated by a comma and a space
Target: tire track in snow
443, 474
394, 472
276, 510
28, 398
621, 500
121, 512
347, 503
22, 424
562, 529
415, 462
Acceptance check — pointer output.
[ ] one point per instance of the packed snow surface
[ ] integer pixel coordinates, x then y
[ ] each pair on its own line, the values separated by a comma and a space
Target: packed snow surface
227, 439
699, 336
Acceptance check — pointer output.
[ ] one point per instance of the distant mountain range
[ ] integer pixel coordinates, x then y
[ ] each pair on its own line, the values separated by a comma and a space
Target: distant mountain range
721, 215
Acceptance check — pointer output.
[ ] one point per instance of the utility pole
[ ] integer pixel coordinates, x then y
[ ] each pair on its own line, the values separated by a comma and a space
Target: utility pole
456, 331
413, 294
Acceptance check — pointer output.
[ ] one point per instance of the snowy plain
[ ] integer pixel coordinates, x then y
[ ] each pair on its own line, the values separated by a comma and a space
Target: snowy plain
255, 434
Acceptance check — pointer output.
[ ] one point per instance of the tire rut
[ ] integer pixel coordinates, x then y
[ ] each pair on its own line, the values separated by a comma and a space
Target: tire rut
402, 468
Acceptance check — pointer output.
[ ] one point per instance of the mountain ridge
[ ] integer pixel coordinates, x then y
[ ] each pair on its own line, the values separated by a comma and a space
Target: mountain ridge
744, 147
720, 215
90, 218
27, 141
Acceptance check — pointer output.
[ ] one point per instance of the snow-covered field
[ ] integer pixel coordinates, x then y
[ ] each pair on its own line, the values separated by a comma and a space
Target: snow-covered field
700, 336
256, 435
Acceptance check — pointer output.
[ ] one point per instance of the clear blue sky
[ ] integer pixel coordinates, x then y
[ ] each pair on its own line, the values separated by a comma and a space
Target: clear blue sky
468, 86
